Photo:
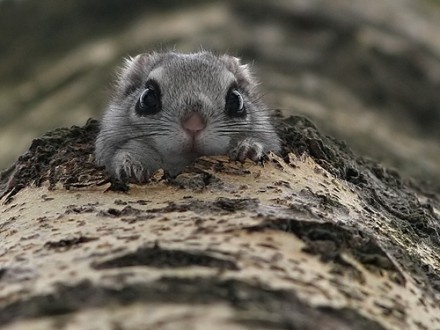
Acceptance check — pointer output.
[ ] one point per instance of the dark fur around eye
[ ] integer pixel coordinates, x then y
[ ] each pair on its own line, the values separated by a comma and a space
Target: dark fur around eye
234, 105
149, 102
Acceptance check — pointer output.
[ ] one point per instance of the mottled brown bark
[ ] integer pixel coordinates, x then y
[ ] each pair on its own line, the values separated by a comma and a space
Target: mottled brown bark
316, 238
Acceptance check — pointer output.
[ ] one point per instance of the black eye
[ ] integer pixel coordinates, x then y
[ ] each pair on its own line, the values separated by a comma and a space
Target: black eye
149, 101
235, 103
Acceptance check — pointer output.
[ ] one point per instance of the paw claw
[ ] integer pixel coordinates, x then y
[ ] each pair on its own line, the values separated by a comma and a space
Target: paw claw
247, 150
131, 170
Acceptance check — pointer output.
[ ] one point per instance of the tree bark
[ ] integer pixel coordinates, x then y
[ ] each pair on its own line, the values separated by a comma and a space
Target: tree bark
315, 238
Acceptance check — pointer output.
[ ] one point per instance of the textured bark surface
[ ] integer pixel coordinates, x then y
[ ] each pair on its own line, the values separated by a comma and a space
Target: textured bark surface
315, 239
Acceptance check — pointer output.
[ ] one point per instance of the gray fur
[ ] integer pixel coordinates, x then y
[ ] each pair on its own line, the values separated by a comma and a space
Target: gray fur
132, 147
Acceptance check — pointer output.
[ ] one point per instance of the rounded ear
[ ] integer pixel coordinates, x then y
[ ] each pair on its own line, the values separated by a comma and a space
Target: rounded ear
132, 74
241, 71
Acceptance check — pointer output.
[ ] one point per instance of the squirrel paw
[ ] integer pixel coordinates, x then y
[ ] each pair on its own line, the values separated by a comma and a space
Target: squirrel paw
247, 149
130, 170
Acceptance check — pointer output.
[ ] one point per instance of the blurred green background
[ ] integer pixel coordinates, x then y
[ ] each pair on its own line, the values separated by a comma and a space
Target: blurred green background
367, 72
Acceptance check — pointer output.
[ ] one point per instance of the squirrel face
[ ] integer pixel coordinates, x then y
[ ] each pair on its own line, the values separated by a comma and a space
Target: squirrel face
178, 107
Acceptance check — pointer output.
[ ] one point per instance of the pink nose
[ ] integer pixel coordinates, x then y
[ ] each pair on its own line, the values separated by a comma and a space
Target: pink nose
194, 124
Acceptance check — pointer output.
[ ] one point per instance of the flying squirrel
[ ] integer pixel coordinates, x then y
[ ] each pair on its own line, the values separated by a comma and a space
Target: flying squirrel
167, 109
